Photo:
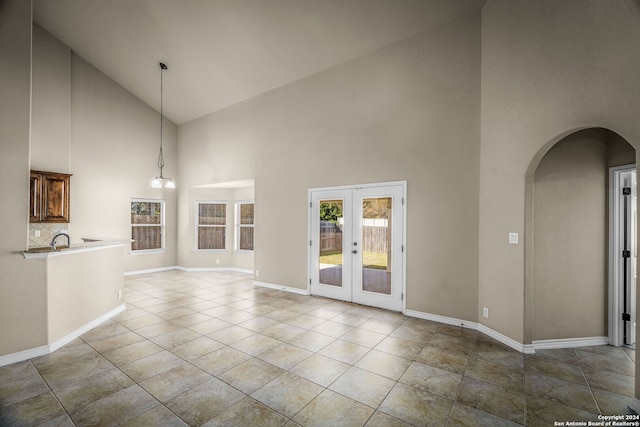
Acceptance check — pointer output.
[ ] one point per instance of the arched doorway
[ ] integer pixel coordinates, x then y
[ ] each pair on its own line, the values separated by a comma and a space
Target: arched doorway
567, 253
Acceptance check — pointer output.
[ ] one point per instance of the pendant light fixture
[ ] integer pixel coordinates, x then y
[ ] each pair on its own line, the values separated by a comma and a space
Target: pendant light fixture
161, 181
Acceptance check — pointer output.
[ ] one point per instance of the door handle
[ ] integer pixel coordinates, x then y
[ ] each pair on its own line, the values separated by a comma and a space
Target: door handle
354, 251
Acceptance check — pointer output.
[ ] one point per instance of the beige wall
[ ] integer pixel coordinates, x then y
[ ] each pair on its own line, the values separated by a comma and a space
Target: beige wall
23, 308
51, 103
548, 68
619, 152
411, 111
84, 124
114, 150
406, 112
570, 240
87, 125
570, 237
188, 257
82, 287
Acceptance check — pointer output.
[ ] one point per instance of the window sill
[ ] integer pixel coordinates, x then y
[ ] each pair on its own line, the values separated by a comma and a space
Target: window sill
148, 252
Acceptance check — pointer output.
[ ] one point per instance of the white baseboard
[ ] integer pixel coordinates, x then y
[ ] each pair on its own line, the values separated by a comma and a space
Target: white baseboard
150, 270
85, 328
196, 269
191, 269
442, 319
569, 343
282, 288
510, 342
522, 348
50, 348
24, 355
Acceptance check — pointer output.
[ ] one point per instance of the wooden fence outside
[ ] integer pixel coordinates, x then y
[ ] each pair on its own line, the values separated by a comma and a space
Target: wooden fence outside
330, 237
146, 237
375, 239
211, 237
246, 238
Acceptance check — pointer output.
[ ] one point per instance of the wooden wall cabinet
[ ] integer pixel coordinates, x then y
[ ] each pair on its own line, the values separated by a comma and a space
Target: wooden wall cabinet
49, 197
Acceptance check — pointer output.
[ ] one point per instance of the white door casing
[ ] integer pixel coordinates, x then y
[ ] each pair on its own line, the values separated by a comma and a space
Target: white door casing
373, 217
622, 267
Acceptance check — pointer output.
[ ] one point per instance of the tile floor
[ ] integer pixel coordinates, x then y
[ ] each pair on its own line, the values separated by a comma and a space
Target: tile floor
212, 349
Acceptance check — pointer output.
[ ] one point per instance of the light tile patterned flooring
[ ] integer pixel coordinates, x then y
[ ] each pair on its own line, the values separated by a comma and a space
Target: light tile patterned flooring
212, 349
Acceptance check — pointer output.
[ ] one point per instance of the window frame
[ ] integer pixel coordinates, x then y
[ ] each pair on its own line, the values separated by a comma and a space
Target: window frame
197, 224
239, 226
163, 229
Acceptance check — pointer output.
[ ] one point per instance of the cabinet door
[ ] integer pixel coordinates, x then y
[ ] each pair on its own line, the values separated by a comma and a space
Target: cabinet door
55, 203
35, 197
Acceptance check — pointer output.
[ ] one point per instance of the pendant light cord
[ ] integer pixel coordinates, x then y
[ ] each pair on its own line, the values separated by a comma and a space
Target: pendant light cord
160, 155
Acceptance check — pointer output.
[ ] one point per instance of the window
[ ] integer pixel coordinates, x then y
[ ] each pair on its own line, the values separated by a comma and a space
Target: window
244, 226
147, 225
211, 226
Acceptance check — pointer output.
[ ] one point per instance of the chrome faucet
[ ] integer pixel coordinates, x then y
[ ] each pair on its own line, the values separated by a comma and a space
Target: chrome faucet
53, 241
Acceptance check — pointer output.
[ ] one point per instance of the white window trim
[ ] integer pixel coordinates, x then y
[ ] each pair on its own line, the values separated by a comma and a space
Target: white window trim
196, 225
163, 232
236, 245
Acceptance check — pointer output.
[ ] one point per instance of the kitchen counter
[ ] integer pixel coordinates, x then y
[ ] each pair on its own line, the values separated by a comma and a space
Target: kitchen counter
88, 244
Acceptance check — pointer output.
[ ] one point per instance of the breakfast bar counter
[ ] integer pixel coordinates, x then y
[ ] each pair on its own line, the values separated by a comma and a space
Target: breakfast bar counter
87, 244
84, 285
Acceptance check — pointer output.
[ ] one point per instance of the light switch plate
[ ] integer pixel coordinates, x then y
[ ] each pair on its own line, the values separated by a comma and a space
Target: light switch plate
513, 238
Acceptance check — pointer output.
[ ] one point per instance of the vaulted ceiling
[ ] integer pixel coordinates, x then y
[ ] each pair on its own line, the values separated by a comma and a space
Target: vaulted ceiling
220, 52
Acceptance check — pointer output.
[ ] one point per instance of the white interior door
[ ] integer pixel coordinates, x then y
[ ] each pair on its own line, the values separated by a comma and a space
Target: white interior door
357, 247
622, 255
630, 259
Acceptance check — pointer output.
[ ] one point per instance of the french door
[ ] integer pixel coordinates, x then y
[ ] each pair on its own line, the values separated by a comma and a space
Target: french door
356, 244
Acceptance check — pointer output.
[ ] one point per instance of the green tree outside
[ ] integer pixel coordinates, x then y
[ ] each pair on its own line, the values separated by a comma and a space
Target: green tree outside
331, 211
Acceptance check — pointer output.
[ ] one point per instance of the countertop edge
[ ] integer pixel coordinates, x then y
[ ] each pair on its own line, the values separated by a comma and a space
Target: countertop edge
90, 244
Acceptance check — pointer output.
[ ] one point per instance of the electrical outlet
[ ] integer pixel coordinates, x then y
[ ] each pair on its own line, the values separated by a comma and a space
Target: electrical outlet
485, 312
217, 261
36, 233
513, 238
119, 293
257, 273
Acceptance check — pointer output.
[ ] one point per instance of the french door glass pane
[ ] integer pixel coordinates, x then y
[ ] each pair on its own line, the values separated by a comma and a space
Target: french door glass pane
331, 257
376, 244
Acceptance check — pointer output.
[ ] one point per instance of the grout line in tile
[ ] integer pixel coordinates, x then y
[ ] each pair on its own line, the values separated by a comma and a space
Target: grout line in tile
593, 396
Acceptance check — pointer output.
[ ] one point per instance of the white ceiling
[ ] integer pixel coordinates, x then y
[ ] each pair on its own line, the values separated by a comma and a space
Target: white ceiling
220, 52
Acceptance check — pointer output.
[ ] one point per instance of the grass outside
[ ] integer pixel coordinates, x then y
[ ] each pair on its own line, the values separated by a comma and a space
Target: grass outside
369, 259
